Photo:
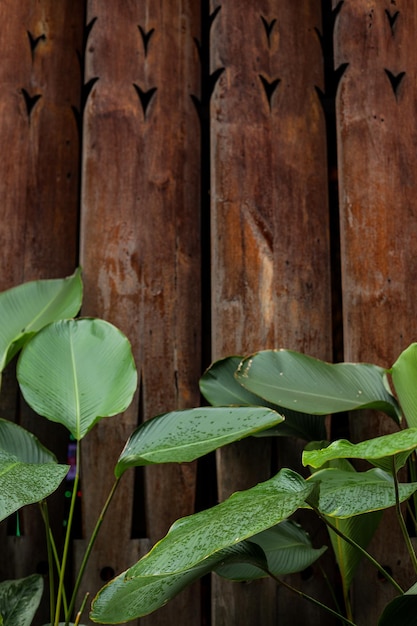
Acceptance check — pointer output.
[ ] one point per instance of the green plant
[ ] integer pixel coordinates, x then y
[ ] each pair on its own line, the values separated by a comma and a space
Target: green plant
245, 536
77, 372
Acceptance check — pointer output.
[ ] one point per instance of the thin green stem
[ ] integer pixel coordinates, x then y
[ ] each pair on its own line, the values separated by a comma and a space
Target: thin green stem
89, 549
82, 607
329, 586
67, 537
366, 554
401, 518
45, 516
305, 596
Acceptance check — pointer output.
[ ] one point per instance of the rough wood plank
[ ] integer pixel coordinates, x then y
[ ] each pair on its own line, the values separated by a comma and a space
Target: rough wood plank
140, 250
39, 196
377, 134
270, 268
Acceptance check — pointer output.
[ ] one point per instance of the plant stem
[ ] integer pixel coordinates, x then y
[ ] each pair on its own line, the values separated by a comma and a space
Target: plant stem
366, 554
45, 516
89, 549
67, 537
305, 596
82, 607
401, 518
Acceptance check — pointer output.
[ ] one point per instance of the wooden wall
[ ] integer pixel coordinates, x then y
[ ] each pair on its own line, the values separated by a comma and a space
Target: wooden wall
188, 155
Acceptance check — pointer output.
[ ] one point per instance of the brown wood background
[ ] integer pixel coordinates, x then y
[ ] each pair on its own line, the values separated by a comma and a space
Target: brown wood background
187, 154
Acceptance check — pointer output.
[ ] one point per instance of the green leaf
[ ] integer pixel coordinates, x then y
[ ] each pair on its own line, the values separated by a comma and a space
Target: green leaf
182, 436
404, 377
221, 388
287, 547
399, 444
360, 528
19, 442
124, 599
300, 382
244, 514
343, 494
77, 371
27, 308
401, 611
25, 483
19, 600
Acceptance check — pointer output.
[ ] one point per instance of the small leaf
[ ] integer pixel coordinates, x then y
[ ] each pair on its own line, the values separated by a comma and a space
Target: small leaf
404, 377
77, 371
27, 308
19, 600
300, 382
182, 436
399, 444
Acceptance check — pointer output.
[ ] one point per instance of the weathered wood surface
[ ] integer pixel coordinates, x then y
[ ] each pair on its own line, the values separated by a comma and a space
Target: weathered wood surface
377, 135
270, 240
140, 253
39, 191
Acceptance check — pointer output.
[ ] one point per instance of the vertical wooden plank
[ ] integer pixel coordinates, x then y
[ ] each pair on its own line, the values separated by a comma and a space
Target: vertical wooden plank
39, 193
140, 253
270, 267
377, 134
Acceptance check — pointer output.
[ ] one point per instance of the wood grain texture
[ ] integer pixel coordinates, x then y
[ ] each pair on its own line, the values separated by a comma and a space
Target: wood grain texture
377, 134
140, 249
39, 198
270, 240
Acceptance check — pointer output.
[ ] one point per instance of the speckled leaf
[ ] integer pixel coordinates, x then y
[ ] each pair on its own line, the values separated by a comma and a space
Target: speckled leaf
404, 377
19, 600
221, 388
182, 436
25, 483
124, 598
401, 611
378, 451
300, 382
246, 513
77, 371
287, 547
343, 494
27, 308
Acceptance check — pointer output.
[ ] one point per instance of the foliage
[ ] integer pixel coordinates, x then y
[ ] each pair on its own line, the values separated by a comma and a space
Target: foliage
79, 371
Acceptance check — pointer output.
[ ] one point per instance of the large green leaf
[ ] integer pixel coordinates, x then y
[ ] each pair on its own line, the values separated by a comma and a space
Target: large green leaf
77, 371
401, 611
287, 547
379, 451
19, 600
29, 307
124, 598
24, 483
246, 513
343, 494
300, 382
404, 377
185, 435
221, 388
19, 442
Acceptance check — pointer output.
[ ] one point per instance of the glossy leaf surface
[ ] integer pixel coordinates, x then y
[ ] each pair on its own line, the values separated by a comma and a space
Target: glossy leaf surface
401, 611
182, 436
27, 308
378, 451
220, 387
77, 371
305, 384
19, 442
404, 377
125, 598
19, 600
